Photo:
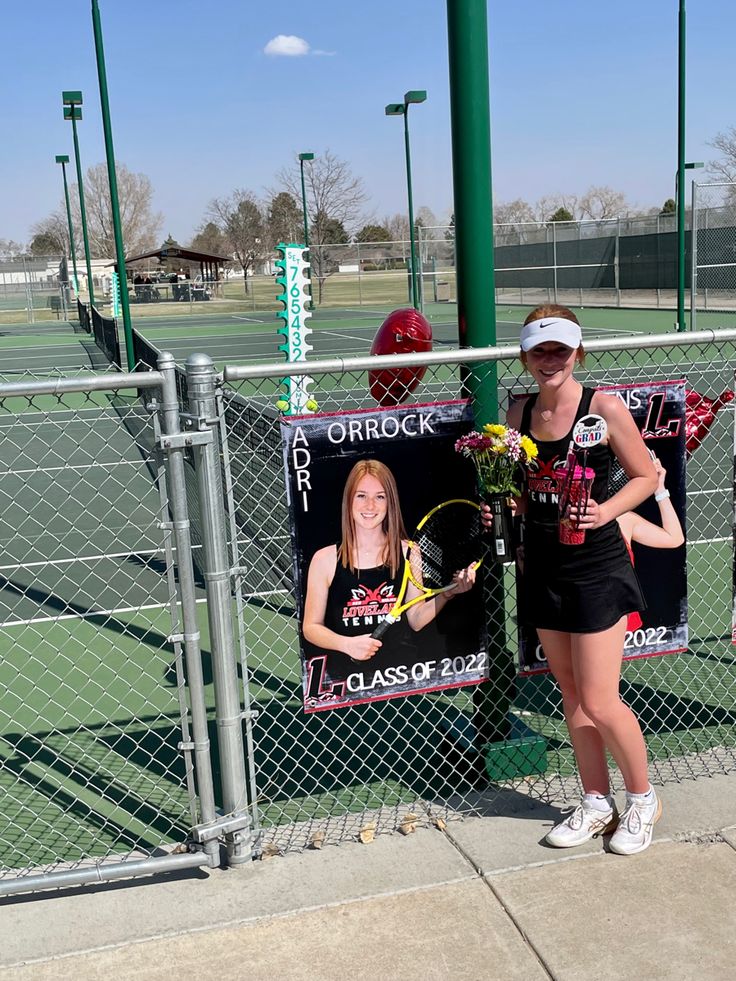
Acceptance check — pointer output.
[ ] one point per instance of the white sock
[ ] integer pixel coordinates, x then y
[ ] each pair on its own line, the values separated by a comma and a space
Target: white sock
598, 802
647, 798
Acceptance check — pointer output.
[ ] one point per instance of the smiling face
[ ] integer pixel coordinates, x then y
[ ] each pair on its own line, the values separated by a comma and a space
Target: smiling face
369, 504
550, 363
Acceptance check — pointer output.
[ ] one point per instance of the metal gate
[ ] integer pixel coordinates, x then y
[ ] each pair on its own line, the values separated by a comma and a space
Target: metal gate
104, 746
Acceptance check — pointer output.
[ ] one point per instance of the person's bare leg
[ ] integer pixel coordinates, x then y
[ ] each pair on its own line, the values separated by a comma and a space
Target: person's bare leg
596, 666
587, 744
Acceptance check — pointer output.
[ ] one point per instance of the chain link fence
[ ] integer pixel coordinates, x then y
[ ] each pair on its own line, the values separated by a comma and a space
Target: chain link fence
334, 775
714, 249
104, 750
34, 289
148, 627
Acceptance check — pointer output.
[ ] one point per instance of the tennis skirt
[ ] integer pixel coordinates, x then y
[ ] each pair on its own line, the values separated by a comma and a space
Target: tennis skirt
553, 600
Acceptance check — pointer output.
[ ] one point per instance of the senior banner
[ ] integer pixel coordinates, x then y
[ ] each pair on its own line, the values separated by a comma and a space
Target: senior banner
658, 409
337, 499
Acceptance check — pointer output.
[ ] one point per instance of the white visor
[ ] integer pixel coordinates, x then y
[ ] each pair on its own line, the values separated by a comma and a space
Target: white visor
551, 329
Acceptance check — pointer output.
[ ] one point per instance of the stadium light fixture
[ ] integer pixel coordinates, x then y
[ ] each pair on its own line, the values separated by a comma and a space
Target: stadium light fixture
412, 97
63, 159
72, 102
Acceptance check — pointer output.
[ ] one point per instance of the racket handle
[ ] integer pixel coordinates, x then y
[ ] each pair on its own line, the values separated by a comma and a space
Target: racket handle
382, 628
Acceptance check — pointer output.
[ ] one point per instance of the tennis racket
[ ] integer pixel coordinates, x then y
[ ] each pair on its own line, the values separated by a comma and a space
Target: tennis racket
447, 539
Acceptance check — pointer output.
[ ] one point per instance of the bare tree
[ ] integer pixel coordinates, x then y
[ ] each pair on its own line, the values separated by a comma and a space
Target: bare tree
603, 202
52, 234
141, 226
725, 168
240, 218
549, 204
398, 227
10, 249
334, 194
512, 212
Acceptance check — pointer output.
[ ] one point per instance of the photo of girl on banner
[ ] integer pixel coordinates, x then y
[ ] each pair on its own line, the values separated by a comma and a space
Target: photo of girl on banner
356, 482
654, 533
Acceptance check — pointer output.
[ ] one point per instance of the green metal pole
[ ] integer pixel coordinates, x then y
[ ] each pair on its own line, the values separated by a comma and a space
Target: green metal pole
83, 211
680, 326
414, 296
71, 230
304, 206
112, 180
474, 268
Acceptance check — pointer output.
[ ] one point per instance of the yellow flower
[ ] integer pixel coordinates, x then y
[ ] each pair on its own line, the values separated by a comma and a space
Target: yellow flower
494, 429
529, 447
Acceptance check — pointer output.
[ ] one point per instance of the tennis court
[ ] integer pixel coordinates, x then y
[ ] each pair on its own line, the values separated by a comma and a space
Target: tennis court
91, 724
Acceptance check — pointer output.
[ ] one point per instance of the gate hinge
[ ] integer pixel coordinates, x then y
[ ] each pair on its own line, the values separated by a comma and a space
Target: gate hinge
180, 441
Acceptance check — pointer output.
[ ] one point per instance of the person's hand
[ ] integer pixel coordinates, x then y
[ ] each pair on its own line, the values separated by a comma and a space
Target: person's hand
590, 518
362, 648
486, 516
462, 581
661, 474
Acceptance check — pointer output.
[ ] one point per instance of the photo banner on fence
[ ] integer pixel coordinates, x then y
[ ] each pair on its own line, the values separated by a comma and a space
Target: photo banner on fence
416, 446
658, 409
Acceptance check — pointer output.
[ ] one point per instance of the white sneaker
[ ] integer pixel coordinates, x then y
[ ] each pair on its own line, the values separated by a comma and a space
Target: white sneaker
584, 823
636, 827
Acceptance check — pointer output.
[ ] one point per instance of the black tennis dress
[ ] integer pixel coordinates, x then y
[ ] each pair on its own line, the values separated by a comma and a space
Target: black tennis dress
583, 588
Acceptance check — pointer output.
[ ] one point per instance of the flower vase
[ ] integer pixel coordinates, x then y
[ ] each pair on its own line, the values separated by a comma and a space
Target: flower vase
502, 530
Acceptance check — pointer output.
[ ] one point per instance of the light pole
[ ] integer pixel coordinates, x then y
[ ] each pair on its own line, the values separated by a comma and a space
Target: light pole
680, 215
113, 184
413, 97
302, 158
64, 160
72, 102
680, 182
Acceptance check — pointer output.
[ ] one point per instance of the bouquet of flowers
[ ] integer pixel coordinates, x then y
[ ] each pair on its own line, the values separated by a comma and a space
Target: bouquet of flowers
499, 455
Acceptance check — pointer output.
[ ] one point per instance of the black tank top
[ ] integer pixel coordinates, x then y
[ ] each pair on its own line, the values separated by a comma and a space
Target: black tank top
357, 601
602, 545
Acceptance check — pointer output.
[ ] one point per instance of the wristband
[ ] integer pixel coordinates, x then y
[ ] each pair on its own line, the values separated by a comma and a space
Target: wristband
662, 495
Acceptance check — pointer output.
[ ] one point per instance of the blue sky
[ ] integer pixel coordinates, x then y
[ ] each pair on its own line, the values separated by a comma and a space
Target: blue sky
582, 93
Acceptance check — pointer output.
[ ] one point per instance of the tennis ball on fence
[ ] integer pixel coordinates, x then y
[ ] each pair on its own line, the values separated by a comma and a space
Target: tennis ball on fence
282, 405
312, 405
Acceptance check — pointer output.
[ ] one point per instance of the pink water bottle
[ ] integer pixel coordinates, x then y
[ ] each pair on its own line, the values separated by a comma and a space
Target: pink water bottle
574, 488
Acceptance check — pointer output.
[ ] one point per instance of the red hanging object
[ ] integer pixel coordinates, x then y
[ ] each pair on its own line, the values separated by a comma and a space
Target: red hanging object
700, 411
402, 332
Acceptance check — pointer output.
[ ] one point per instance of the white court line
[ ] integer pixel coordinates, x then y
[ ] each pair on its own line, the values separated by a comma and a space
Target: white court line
92, 613
248, 320
341, 335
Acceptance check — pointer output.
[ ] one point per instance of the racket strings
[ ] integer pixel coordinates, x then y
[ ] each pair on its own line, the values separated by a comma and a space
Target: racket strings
449, 542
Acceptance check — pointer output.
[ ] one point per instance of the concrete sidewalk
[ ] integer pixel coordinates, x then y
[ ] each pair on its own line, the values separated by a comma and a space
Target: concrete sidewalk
481, 899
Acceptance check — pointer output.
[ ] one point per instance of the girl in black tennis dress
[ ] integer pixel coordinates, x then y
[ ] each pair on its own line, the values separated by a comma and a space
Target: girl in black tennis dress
579, 596
351, 586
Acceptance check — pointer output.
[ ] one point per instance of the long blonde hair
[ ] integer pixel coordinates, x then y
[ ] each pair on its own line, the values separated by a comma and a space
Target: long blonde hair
393, 523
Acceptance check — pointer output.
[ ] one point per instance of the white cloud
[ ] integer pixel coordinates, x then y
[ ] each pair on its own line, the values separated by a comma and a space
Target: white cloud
288, 45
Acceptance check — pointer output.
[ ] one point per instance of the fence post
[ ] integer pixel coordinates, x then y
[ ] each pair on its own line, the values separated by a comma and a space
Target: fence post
228, 712
170, 425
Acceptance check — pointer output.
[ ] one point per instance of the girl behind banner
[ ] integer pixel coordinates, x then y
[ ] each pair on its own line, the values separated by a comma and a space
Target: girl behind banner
578, 596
